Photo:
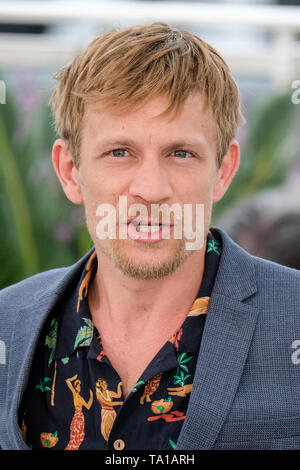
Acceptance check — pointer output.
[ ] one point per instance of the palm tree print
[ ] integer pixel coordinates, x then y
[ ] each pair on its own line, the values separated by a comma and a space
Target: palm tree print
213, 245
42, 385
137, 385
50, 341
85, 334
180, 376
172, 444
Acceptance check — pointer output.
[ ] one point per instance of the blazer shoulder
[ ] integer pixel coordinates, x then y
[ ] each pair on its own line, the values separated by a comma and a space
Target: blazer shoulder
23, 292
258, 280
285, 281
47, 283
278, 287
267, 271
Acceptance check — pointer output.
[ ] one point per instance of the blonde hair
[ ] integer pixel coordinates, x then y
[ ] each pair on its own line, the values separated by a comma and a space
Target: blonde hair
132, 65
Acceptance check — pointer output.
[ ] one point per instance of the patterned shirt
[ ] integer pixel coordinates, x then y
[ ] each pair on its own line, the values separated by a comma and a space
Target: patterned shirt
74, 397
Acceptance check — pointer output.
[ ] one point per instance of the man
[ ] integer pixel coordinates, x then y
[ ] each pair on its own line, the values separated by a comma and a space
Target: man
193, 341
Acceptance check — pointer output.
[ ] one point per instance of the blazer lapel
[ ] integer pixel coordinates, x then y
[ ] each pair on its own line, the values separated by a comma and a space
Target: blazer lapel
224, 348
26, 330
26, 333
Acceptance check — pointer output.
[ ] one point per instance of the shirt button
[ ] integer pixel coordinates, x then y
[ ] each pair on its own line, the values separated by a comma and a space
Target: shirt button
119, 444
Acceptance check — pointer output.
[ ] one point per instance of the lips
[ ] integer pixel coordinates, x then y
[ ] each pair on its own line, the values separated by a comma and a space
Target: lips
147, 230
146, 226
151, 223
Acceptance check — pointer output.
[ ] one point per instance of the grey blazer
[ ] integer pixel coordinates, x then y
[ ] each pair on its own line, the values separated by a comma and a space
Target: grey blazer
246, 390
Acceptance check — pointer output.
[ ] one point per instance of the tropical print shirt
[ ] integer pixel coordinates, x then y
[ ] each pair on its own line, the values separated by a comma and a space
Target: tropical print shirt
74, 397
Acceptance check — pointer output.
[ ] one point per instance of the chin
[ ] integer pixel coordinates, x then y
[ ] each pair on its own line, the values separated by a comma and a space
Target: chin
146, 264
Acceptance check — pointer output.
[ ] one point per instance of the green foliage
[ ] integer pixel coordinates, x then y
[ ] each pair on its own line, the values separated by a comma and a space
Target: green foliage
40, 228
51, 339
213, 245
137, 385
182, 360
17, 230
266, 154
48, 442
85, 334
161, 408
42, 385
181, 377
172, 444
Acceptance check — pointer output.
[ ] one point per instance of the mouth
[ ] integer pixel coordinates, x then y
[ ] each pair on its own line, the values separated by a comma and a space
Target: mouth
142, 230
146, 227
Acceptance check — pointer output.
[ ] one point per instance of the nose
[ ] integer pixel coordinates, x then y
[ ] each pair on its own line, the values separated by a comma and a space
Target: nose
151, 181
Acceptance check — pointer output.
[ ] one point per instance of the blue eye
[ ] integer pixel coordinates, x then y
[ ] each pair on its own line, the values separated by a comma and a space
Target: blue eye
119, 153
181, 153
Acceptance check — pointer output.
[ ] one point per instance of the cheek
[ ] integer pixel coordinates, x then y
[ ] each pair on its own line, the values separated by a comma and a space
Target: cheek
199, 189
218, 191
93, 187
91, 199
104, 186
96, 193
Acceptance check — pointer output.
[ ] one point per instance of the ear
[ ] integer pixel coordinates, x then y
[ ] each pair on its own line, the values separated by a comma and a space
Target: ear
66, 171
227, 170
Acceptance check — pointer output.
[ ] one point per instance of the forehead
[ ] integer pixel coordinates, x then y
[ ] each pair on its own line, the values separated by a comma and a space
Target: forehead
154, 106
194, 117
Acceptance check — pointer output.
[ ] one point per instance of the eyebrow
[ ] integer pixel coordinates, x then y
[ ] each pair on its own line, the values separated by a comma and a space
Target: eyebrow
179, 144
119, 141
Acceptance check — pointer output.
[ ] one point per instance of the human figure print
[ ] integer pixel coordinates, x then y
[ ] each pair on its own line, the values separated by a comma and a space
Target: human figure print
77, 431
108, 414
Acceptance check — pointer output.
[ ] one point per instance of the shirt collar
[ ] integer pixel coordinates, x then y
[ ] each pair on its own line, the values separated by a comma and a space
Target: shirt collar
75, 327
188, 337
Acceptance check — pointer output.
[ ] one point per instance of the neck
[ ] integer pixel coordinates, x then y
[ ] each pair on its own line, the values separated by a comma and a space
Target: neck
141, 305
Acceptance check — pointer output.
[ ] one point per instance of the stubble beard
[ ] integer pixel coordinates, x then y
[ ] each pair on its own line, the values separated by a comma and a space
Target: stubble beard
116, 252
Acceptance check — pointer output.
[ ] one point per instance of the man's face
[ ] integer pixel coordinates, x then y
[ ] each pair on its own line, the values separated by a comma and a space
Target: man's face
150, 159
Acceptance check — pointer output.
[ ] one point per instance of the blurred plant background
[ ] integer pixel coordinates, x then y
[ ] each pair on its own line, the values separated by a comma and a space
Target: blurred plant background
40, 228
270, 153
